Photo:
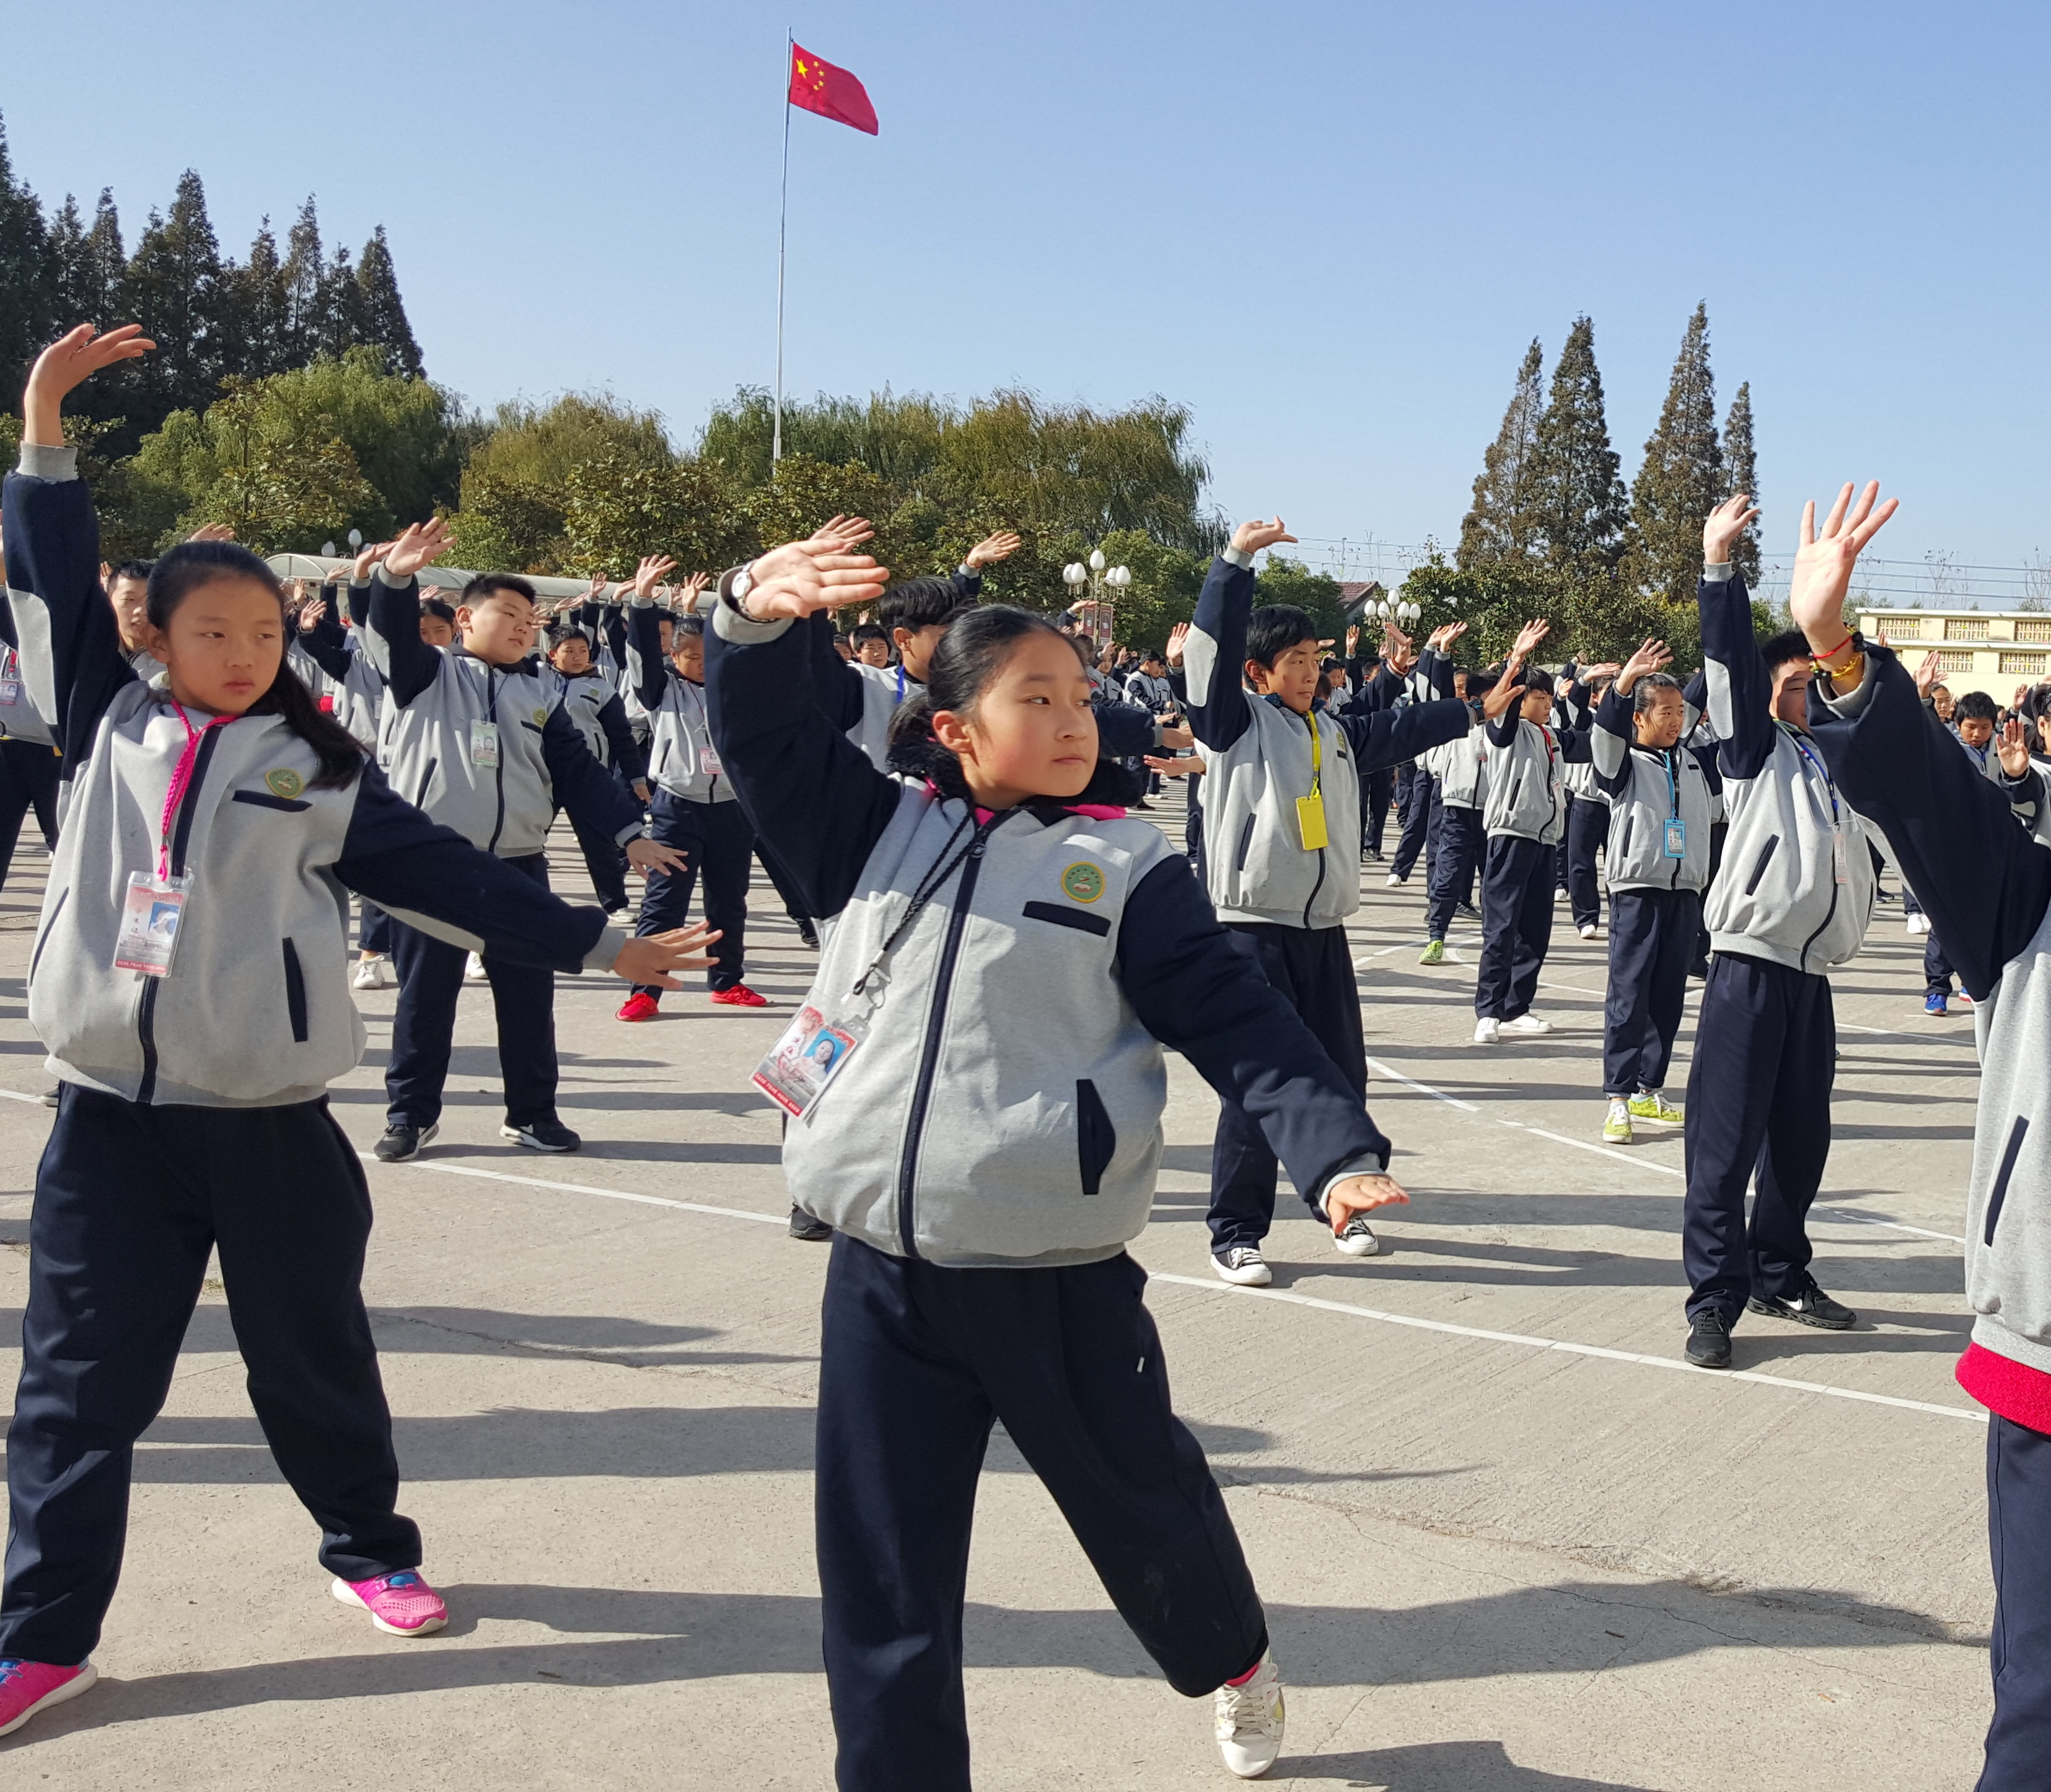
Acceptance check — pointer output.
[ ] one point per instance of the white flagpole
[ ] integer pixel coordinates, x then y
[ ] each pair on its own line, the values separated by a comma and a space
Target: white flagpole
782, 213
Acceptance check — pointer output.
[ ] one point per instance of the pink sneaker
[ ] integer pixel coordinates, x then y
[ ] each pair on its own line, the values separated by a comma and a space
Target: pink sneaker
739, 996
402, 1604
28, 1687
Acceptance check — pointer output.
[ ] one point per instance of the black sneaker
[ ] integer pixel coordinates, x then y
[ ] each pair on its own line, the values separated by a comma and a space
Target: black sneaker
1811, 1307
1466, 911
401, 1141
812, 1231
1709, 1339
541, 1135
807, 932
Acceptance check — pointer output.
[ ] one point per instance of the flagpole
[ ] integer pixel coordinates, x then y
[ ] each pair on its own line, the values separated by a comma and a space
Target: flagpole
782, 214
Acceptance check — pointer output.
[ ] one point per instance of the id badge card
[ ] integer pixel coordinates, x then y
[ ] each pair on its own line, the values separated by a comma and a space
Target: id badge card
808, 1057
709, 763
1311, 822
10, 692
1675, 844
148, 939
484, 744
1837, 866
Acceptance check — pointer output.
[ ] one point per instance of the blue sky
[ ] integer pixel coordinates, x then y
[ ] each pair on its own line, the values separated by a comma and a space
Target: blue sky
1328, 229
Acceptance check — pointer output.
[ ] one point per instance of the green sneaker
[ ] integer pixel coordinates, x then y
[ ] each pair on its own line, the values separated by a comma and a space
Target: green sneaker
1656, 1108
1616, 1124
1434, 953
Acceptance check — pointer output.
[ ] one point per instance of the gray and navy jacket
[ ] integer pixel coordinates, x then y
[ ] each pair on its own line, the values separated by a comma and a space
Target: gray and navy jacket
355, 686
1647, 787
1461, 768
255, 1011
595, 710
1987, 886
1526, 786
1777, 896
1574, 712
438, 693
19, 718
1259, 754
1005, 1108
681, 755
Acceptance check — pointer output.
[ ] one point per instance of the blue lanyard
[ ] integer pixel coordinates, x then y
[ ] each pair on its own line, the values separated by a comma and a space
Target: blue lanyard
901, 680
1821, 769
1673, 781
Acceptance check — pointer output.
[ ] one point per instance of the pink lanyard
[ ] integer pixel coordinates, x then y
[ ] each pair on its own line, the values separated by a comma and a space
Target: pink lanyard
181, 781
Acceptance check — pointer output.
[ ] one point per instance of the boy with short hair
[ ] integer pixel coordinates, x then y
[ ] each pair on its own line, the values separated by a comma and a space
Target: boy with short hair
594, 708
1973, 727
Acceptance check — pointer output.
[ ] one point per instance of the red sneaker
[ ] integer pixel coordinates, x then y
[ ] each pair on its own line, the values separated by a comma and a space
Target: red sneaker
739, 996
638, 1007
28, 1687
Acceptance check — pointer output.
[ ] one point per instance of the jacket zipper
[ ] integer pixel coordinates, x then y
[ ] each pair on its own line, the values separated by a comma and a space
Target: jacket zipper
499, 758
936, 1018
1310, 901
146, 1012
1830, 914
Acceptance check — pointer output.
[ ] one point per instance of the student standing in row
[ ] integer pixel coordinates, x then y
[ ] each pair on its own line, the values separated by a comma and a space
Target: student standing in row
1973, 726
188, 981
1659, 795
996, 929
596, 712
1791, 903
1282, 833
475, 736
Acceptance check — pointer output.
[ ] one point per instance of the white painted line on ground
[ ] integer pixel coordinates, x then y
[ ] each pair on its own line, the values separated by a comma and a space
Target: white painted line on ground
584, 1188
16, 1094
1381, 1069
1869, 1220
1639, 1358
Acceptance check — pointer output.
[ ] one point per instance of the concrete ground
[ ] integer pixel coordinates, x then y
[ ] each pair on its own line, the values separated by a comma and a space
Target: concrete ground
1507, 1542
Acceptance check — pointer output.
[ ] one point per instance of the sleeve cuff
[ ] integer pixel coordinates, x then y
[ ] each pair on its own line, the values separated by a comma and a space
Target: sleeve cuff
637, 831
41, 462
1375, 1165
1235, 556
1719, 574
610, 944
384, 577
731, 623
1854, 700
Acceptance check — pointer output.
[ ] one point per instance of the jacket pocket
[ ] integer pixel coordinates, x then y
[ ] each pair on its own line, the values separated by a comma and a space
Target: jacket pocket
263, 799
1765, 857
1079, 918
427, 777
2000, 1191
1246, 844
1096, 1140
295, 994
63, 897
1623, 845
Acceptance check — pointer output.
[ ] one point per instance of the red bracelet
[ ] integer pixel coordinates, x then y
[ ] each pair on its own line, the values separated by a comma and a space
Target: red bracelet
1819, 658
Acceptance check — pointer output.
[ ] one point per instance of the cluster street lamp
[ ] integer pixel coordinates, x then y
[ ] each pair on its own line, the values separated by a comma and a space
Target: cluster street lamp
1098, 609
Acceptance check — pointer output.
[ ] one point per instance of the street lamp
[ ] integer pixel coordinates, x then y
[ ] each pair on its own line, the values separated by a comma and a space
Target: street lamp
355, 540
1104, 584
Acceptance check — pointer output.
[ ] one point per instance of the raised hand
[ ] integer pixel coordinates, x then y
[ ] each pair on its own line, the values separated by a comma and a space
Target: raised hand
1362, 1194
692, 589
418, 544
840, 535
213, 531
809, 583
66, 363
1189, 767
1926, 673
1652, 657
367, 556
1178, 637
1251, 537
1442, 638
1353, 642
652, 859
1723, 525
599, 582
2014, 746
651, 570
653, 957
1824, 564
1002, 546
1529, 637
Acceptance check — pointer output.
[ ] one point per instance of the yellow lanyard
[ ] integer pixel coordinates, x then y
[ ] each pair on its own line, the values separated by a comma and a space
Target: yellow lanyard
1310, 810
1317, 756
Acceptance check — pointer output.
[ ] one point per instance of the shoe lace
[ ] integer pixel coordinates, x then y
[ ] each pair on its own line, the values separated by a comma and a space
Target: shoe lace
1358, 1227
11, 1667
1247, 1707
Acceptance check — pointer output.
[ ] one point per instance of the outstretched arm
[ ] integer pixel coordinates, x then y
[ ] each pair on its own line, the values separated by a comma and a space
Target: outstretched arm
1214, 650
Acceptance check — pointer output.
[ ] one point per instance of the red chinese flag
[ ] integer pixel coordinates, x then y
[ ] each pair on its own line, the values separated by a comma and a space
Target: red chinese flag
833, 93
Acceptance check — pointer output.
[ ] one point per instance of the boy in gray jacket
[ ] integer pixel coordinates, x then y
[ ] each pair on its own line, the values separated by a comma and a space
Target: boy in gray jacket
1790, 901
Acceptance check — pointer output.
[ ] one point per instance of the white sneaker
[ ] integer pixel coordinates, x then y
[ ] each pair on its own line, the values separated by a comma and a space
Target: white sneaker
1917, 923
1394, 882
1586, 930
474, 971
1242, 1266
1485, 1031
375, 973
1358, 1239
1249, 1718
1529, 1024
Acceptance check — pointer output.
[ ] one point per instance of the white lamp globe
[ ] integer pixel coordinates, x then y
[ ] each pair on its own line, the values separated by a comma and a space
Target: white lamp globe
1073, 574
1096, 559
327, 550
356, 538
1120, 577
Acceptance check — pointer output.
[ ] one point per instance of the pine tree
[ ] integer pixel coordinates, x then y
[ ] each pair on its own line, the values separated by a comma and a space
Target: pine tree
253, 308
1499, 526
341, 315
1583, 515
303, 272
171, 287
383, 313
1742, 461
1682, 478
27, 296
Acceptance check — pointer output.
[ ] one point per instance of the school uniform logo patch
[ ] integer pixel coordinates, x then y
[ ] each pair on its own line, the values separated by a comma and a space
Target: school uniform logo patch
1082, 881
541, 717
285, 783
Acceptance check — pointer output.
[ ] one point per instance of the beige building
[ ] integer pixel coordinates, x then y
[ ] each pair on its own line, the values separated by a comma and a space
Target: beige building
1990, 650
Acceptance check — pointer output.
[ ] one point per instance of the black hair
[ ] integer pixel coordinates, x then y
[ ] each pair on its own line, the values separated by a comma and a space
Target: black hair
1537, 678
191, 565
440, 607
1974, 706
682, 626
1650, 686
1149, 655
131, 569
1273, 629
568, 636
870, 631
972, 652
1778, 649
491, 585
920, 603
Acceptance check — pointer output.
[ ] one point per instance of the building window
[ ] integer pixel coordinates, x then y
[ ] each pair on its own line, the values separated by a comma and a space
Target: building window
1955, 662
1965, 628
2028, 631
1900, 628
2024, 666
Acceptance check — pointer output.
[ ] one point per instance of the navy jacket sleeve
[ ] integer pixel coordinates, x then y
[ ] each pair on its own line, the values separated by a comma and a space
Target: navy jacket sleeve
1385, 737
69, 643
646, 667
1214, 655
1985, 881
402, 861
1202, 994
836, 686
590, 794
628, 758
1740, 693
1123, 730
818, 804
395, 619
327, 642
1437, 672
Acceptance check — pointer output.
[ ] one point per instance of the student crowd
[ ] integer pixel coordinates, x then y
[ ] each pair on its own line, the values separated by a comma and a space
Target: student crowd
942, 798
